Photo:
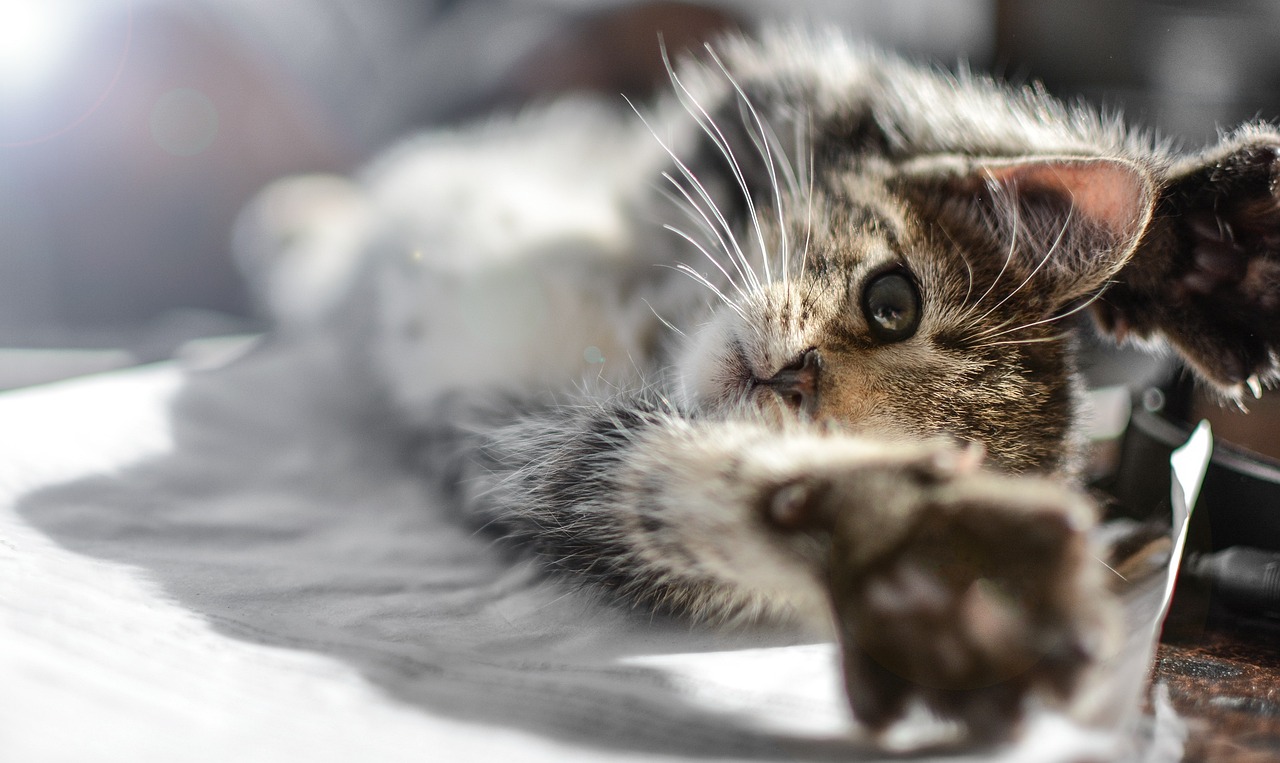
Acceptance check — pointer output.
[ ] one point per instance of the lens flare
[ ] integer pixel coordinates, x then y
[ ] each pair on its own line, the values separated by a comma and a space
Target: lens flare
36, 36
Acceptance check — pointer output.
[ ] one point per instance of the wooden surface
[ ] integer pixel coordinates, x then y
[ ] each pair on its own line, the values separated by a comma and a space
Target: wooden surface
1223, 675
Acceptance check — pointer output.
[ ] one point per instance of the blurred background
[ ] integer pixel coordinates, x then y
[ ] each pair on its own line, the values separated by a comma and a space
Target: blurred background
132, 131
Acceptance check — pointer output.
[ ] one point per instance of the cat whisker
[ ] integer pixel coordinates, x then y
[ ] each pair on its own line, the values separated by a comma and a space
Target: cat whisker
708, 255
1078, 308
664, 321
1013, 245
696, 276
967, 266
810, 175
760, 136
1037, 340
1113, 569
731, 246
713, 132
703, 280
761, 143
793, 191
1043, 261
695, 213
705, 195
790, 173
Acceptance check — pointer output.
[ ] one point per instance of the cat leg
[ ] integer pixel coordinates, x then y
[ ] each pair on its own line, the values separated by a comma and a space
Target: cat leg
944, 583
1207, 274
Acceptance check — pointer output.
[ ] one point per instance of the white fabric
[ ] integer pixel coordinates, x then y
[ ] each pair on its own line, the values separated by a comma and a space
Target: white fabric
236, 565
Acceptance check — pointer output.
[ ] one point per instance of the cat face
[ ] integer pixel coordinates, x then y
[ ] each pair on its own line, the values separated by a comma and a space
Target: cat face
923, 302
906, 294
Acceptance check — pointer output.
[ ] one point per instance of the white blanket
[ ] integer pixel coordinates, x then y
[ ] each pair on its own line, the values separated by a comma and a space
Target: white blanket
236, 565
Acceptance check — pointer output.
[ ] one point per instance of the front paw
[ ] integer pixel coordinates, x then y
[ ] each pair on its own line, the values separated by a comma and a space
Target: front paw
965, 590
1208, 277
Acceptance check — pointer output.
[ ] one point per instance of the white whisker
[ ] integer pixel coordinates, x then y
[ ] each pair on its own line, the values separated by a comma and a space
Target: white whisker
696, 213
807, 158
1008, 257
664, 322
696, 276
1051, 319
761, 139
968, 267
705, 195
706, 254
1043, 261
1038, 340
712, 131
1113, 569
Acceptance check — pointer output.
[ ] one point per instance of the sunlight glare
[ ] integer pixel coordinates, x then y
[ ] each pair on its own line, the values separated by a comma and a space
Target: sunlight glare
35, 37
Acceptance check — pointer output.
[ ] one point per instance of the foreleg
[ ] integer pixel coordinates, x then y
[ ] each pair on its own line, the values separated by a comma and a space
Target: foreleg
944, 582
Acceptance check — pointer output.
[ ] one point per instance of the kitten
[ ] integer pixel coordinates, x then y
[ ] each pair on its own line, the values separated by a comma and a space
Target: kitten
797, 344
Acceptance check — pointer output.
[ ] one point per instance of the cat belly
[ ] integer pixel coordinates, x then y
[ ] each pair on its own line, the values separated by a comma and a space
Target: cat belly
516, 329
508, 267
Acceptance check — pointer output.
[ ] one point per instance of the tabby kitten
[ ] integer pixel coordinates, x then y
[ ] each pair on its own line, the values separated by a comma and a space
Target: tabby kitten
796, 344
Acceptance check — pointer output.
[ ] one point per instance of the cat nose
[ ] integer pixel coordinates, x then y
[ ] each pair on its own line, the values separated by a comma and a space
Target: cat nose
797, 382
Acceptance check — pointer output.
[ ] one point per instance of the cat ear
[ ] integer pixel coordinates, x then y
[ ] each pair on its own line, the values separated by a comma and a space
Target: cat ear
1074, 221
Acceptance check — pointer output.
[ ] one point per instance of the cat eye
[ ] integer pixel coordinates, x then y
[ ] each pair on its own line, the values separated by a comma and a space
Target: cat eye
891, 305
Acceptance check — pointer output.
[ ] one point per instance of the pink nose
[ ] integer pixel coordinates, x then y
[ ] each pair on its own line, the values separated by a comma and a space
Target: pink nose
797, 382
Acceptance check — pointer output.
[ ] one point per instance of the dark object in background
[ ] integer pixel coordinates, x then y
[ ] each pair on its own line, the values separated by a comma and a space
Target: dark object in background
1239, 503
613, 53
122, 175
1241, 578
1182, 66
1218, 655
1241, 489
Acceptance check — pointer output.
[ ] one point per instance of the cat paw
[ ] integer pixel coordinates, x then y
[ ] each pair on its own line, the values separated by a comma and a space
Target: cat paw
1209, 279
967, 591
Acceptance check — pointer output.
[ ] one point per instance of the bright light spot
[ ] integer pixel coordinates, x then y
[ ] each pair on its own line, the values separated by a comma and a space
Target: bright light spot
35, 37
184, 122
785, 689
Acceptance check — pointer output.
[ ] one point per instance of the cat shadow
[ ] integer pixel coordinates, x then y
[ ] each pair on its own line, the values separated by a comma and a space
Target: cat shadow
284, 515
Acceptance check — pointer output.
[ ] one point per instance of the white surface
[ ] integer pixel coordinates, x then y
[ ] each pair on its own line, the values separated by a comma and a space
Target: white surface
235, 566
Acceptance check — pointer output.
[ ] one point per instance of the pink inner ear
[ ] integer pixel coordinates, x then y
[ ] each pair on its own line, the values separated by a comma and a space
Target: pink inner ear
1112, 194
